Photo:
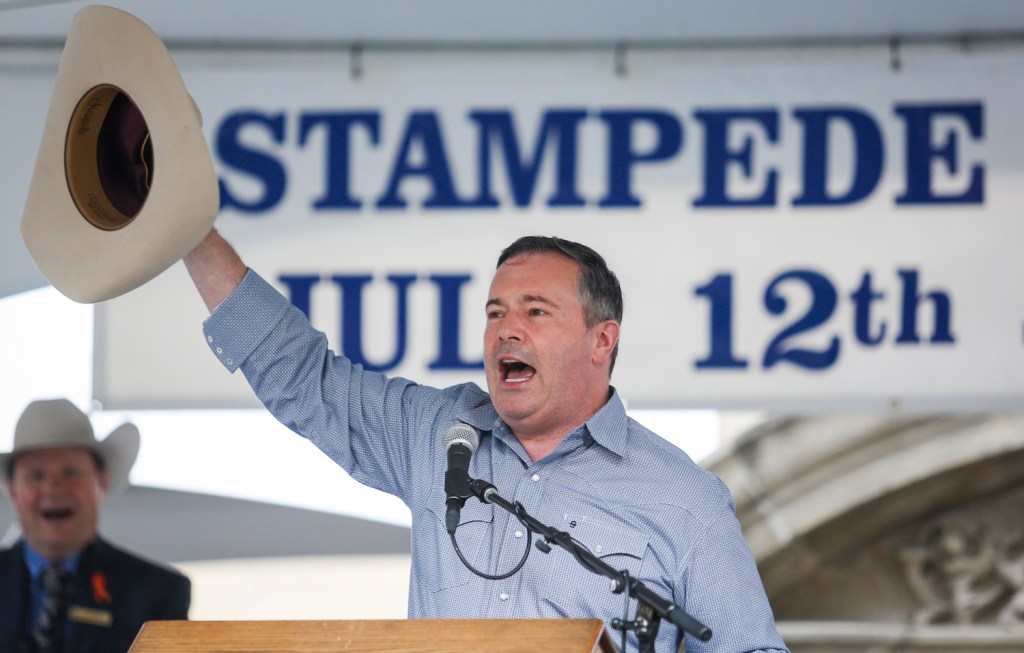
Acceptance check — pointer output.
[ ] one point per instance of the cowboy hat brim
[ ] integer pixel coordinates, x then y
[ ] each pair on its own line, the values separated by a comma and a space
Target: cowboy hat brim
88, 250
118, 451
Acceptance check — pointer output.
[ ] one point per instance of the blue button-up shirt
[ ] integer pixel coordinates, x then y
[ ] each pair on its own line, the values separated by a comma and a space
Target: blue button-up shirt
629, 496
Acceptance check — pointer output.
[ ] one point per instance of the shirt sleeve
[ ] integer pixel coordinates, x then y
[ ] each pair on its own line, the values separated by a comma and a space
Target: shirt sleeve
359, 419
732, 601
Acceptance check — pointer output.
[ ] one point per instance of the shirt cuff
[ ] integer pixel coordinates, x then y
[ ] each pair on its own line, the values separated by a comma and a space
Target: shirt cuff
242, 321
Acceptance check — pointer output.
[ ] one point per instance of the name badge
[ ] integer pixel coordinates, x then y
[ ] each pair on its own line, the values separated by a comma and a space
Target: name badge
91, 616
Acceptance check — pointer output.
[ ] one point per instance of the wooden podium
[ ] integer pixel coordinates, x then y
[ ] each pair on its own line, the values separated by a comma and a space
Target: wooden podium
395, 635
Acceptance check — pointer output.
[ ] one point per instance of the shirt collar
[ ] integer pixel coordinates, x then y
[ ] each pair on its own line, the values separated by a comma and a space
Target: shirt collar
609, 426
36, 563
482, 417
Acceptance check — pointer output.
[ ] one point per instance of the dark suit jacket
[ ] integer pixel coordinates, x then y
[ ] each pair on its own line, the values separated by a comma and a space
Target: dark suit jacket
111, 585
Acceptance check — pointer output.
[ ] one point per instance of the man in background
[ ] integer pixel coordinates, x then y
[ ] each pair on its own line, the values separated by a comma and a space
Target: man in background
64, 588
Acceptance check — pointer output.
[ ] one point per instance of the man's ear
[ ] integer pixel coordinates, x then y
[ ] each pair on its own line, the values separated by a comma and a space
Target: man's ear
606, 337
103, 480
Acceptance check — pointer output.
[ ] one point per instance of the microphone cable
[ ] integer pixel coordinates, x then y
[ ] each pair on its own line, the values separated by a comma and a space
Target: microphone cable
526, 554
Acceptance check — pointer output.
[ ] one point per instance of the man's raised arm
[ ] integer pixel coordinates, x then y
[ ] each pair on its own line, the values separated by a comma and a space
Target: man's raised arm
215, 268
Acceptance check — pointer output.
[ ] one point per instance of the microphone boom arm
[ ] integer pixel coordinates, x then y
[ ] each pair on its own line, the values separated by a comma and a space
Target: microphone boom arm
661, 607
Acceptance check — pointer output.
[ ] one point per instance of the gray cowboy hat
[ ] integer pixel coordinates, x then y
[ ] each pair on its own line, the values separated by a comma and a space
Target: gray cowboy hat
59, 423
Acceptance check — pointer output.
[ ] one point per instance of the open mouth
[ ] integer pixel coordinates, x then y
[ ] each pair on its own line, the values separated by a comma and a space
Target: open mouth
57, 514
516, 371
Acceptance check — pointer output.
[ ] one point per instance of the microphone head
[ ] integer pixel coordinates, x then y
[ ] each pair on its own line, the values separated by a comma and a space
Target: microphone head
462, 434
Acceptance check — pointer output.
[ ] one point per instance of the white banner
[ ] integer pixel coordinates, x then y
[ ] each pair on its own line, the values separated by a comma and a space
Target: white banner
794, 230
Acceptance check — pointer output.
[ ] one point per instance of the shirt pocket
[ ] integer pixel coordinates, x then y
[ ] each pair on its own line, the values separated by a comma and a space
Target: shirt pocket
576, 590
475, 528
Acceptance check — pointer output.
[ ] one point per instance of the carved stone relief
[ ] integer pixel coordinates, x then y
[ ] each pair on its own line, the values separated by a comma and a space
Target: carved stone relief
964, 570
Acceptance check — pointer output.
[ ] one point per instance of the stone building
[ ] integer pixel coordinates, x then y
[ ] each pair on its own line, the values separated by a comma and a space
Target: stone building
878, 534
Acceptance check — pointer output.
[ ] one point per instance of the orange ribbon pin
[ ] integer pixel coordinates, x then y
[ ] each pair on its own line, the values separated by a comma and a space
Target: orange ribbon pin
99, 588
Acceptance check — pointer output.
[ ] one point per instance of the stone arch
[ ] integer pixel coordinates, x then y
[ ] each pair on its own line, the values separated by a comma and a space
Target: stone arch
906, 524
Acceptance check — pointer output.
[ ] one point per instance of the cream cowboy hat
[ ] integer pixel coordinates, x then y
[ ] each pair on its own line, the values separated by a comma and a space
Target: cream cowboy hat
124, 185
59, 423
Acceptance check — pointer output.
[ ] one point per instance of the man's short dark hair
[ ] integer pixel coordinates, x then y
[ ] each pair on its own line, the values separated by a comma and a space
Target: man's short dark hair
597, 286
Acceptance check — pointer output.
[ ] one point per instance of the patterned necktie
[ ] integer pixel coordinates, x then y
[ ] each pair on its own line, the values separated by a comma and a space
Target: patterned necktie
48, 631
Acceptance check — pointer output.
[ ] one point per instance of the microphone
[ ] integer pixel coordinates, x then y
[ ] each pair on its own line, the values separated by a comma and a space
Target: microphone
461, 441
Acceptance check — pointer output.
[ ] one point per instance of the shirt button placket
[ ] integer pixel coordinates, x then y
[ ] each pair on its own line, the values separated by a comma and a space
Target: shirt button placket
527, 492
